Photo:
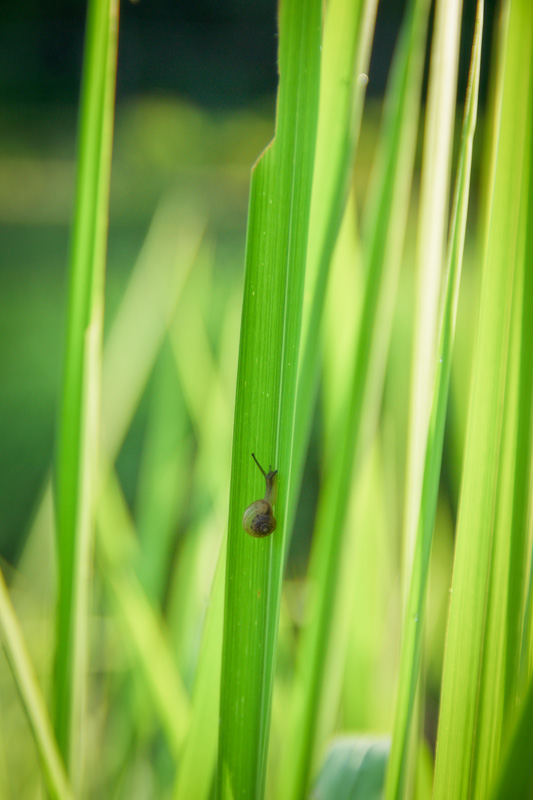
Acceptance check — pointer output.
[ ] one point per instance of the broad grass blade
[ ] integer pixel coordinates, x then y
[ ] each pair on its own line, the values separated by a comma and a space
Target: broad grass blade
265, 401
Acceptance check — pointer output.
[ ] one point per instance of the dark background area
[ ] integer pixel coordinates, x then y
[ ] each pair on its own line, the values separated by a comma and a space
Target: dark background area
219, 55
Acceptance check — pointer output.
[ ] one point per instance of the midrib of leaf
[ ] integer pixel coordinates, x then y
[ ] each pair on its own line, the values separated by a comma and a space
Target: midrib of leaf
265, 401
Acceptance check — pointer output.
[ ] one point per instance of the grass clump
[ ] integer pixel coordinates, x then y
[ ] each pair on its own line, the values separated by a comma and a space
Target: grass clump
160, 651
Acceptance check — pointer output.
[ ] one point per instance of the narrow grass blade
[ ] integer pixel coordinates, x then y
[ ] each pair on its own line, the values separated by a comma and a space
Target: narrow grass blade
163, 484
144, 317
518, 661
208, 405
210, 413
78, 433
196, 767
32, 699
413, 625
355, 575
265, 402
117, 546
431, 248
368, 571
142, 321
473, 699
341, 318
500, 689
385, 232
346, 46
210, 409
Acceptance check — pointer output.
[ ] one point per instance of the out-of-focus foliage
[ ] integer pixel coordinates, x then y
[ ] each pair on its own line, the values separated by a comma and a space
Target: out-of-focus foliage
174, 293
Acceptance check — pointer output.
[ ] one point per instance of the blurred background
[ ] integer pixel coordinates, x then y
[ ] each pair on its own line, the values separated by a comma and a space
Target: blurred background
195, 105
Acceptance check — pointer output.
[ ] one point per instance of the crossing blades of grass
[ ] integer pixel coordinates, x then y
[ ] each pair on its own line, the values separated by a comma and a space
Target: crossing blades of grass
163, 484
210, 412
265, 401
474, 706
411, 647
348, 30
431, 246
195, 770
385, 228
117, 544
144, 316
32, 699
78, 430
141, 322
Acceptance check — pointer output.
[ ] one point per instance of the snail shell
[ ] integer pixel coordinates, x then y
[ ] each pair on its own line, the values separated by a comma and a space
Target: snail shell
258, 519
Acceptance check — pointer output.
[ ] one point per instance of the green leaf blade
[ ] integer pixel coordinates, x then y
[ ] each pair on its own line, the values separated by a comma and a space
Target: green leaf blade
354, 769
386, 228
78, 432
265, 401
472, 701
413, 626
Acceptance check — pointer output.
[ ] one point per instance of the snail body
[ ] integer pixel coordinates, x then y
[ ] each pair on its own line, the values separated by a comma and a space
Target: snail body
258, 519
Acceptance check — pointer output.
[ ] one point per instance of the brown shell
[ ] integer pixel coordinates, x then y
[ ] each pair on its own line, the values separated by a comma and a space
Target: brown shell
258, 520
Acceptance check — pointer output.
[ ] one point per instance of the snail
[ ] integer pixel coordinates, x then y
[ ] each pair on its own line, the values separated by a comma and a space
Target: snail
258, 519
